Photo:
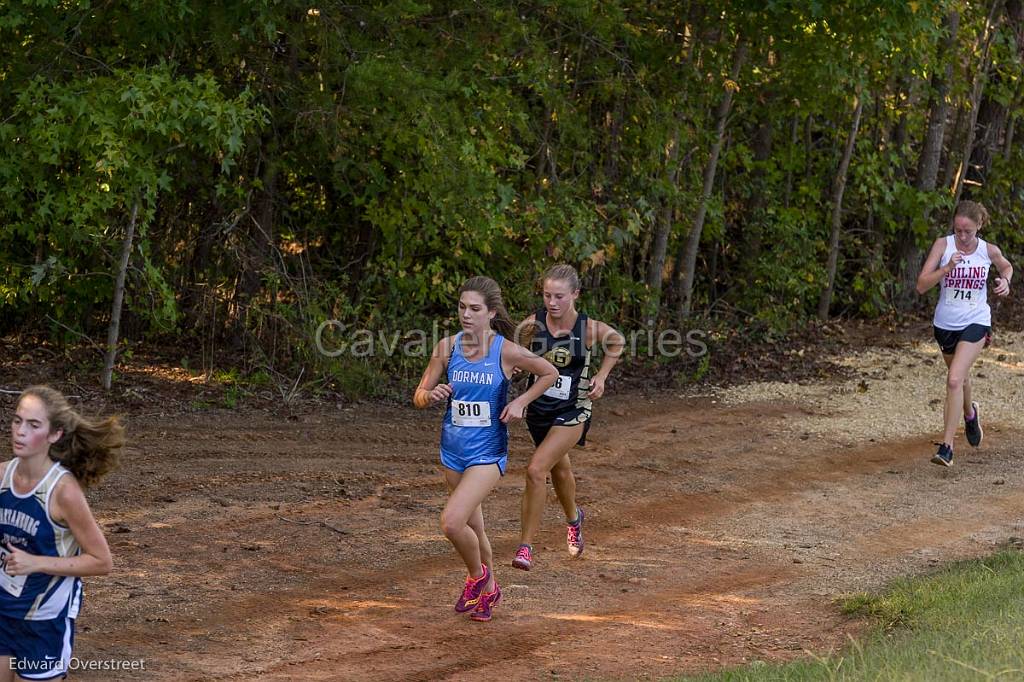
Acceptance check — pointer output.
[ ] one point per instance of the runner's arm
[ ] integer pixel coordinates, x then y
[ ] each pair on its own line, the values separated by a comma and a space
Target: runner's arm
931, 273
1004, 268
517, 357
430, 390
612, 343
68, 507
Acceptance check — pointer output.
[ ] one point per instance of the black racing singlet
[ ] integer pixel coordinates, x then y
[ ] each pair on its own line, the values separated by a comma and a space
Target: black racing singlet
571, 357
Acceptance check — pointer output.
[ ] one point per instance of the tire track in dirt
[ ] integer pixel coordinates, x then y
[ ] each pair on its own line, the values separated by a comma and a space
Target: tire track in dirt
511, 645
684, 569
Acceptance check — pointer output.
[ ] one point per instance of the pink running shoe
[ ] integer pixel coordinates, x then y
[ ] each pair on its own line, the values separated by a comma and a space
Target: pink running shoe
488, 600
574, 534
524, 558
471, 592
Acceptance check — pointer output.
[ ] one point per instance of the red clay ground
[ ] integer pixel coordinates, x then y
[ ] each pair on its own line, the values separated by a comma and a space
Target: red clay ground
257, 545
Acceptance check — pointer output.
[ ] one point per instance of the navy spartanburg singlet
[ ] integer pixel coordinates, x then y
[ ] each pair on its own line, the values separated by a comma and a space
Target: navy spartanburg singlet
25, 523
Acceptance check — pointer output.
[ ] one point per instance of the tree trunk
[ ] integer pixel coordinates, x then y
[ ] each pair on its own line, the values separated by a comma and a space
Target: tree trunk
931, 150
928, 165
957, 134
1015, 15
808, 146
663, 227
692, 245
544, 174
1011, 122
909, 85
794, 139
754, 225
195, 280
1008, 142
257, 250
976, 92
964, 166
613, 145
990, 126
115, 309
838, 187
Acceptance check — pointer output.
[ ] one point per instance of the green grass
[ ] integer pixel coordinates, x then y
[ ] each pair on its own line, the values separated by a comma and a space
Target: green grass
965, 622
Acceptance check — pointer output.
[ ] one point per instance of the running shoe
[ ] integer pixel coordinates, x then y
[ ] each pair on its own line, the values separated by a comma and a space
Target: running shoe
944, 456
524, 558
574, 535
471, 592
488, 600
972, 428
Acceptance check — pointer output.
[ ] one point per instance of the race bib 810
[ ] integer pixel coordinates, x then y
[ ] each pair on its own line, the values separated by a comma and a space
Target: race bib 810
471, 413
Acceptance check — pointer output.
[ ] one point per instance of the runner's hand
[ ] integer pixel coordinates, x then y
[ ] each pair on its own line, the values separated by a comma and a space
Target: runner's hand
513, 411
1002, 287
20, 562
596, 388
440, 392
954, 261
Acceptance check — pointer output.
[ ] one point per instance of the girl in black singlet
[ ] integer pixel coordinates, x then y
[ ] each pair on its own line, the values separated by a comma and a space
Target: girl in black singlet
560, 418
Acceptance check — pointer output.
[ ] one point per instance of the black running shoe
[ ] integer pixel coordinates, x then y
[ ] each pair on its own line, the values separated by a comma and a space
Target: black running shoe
972, 428
944, 456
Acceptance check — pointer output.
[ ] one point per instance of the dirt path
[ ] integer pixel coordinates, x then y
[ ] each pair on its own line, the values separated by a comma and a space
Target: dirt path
718, 533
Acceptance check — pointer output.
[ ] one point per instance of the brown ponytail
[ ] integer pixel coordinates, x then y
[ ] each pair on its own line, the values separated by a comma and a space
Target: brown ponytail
88, 448
489, 289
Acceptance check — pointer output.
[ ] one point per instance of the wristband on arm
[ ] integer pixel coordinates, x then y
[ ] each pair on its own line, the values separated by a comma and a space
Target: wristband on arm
421, 398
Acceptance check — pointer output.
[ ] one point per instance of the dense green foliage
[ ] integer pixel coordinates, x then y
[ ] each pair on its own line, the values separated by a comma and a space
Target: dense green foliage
963, 623
302, 162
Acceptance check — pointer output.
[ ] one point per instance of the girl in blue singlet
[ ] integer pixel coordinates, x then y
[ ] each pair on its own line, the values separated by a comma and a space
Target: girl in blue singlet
959, 263
49, 539
560, 418
477, 363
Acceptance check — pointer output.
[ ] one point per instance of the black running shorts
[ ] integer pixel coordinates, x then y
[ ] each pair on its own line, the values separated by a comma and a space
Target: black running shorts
539, 430
948, 338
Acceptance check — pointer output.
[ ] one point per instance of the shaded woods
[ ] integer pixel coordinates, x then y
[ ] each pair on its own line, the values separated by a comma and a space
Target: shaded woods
251, 169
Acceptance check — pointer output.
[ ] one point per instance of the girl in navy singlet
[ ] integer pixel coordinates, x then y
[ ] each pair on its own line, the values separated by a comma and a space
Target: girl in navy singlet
49, 539
560, 418
960, 263
476, 364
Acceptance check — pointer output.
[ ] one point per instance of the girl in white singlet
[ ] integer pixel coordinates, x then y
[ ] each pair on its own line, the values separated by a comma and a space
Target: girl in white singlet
959, 263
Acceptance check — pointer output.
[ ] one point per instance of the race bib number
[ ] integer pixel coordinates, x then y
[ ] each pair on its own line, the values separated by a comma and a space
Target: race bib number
471, 413
560, 389
962, 298
12, 584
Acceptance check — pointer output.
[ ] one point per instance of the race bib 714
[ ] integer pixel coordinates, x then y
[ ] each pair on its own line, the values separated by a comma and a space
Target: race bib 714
961, 298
